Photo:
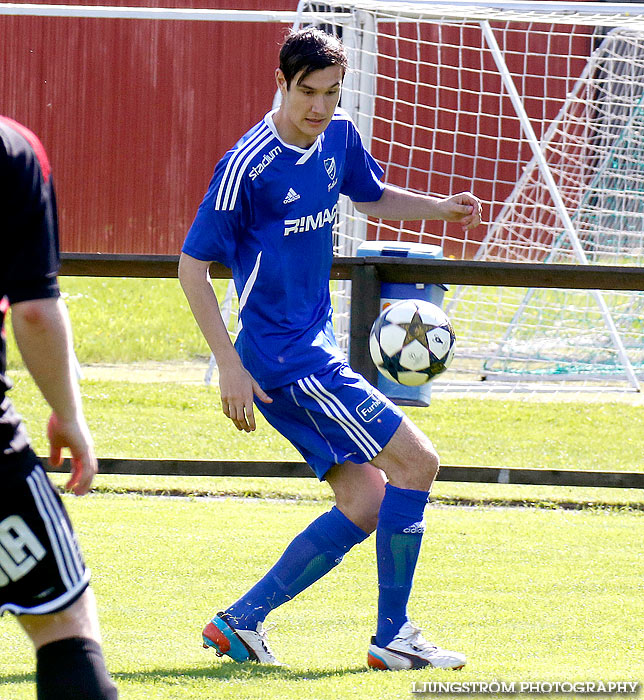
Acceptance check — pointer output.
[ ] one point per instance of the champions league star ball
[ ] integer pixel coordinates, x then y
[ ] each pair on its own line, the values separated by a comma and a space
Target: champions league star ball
411, 342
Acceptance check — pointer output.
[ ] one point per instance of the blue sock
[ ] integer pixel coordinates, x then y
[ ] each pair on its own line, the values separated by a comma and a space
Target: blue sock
398, 539
313, 553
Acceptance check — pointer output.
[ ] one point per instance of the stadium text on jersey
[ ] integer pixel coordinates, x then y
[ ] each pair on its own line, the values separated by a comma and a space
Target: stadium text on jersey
264, 163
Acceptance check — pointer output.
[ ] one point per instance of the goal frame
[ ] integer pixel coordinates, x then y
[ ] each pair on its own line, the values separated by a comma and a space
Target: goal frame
360, 36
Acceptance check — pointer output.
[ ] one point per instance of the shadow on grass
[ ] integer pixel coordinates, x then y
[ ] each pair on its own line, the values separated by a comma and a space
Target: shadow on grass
228, 670
17, 678
223, 671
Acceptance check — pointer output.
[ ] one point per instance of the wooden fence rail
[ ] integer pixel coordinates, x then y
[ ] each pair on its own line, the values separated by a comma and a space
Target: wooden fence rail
366, 274
388, 269
482, 475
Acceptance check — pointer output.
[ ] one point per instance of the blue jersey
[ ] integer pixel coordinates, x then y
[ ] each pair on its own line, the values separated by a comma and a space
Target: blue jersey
268, 215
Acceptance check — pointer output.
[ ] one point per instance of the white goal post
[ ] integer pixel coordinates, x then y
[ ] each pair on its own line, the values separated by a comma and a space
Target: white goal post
538, 108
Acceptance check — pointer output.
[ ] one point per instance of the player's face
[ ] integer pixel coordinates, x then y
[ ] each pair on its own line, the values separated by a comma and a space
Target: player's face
307, 106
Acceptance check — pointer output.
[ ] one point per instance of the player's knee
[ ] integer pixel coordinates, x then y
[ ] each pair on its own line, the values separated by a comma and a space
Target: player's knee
417, 471
369, 520
427, 467
73, 669
431, 464
359, 490
424, 465
362, 507
364, 515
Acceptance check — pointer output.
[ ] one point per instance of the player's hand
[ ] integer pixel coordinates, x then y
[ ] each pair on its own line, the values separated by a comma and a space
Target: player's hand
238, 388
464, 208
74, 435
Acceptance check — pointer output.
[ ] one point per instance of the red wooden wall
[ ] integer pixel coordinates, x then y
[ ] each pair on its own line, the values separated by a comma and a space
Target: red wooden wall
467, 134
135, 113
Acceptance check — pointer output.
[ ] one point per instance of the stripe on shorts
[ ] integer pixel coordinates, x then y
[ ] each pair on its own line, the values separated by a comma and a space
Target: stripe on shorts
63, 545
338, 412
315, 423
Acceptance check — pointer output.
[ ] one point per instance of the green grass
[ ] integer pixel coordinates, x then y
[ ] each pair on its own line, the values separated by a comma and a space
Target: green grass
130, 320
529, 594
558, 599
174, 420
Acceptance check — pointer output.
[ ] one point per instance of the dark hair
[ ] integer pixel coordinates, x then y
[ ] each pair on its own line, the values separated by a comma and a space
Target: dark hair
308, 50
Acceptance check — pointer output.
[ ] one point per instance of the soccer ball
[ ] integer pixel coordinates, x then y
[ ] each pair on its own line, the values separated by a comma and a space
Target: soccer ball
411, 342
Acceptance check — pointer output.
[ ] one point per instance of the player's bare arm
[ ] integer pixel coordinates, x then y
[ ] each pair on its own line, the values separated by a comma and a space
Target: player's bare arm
236, 384
43, 334
402, 205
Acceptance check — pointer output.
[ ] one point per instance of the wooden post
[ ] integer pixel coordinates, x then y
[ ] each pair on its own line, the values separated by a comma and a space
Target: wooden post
365, 307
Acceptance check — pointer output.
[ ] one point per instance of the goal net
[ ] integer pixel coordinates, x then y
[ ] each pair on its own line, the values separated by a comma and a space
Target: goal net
538, 108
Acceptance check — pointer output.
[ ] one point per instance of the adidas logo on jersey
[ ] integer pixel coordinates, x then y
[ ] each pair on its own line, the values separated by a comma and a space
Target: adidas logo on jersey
415, 529
291, 196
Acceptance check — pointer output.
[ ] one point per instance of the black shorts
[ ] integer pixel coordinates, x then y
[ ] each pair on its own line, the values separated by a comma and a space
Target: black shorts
41, 566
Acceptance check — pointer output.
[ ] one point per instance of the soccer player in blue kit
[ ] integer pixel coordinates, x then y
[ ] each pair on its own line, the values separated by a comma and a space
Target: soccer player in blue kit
268, 215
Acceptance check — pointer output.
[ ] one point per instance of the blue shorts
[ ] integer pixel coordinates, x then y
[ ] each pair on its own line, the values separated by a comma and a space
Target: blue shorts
332, 416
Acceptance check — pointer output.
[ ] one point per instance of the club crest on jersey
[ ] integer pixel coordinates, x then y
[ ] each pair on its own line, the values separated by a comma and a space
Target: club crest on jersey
310, 222
329, 166
266, 160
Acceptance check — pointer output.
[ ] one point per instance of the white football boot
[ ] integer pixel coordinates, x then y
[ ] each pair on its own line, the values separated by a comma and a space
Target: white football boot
408, 650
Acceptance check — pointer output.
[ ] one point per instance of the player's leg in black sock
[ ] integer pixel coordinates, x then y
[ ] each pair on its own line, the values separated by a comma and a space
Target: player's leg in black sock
73, 669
